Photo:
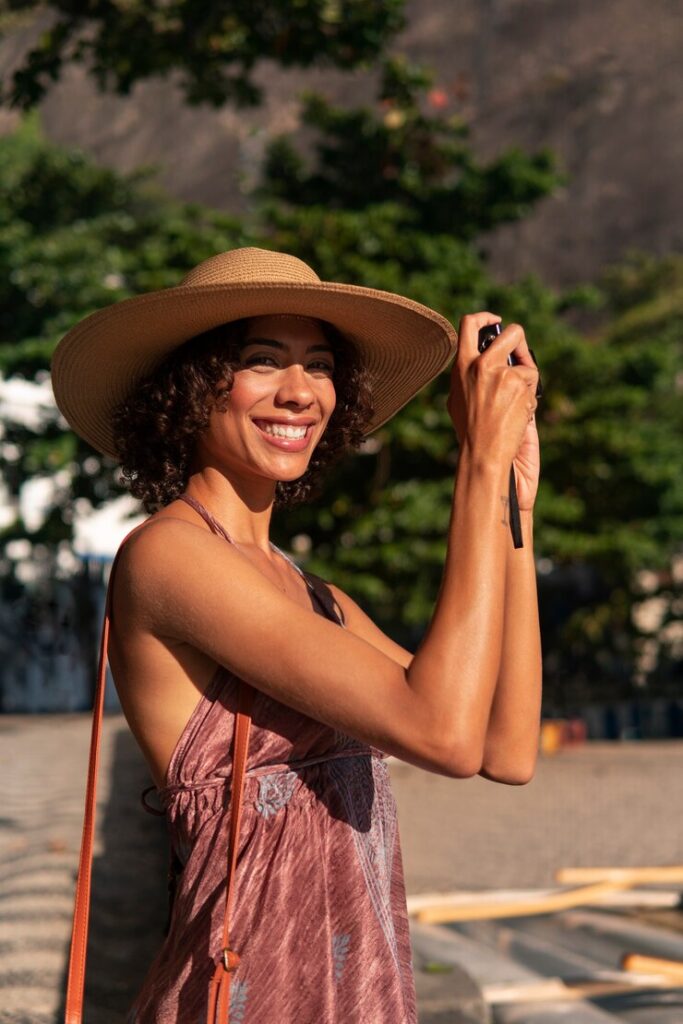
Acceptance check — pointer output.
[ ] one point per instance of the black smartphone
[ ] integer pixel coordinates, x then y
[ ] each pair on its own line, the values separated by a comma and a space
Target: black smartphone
486, 336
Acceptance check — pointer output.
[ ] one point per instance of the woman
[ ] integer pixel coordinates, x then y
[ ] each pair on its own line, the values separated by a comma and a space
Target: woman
222, 399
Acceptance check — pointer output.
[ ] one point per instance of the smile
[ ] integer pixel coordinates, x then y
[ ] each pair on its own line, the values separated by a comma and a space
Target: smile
288, 439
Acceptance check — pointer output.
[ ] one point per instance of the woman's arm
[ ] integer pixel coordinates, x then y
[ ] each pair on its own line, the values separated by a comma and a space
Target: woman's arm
511, 743
360, 623
512, 735
511, 746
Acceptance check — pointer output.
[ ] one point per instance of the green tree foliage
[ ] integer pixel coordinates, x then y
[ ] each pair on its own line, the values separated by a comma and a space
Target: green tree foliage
620, 416
212, 47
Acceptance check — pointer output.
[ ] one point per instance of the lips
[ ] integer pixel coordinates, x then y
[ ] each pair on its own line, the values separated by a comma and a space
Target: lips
287, 444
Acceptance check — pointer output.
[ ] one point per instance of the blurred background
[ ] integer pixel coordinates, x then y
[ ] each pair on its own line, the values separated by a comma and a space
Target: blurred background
521, 156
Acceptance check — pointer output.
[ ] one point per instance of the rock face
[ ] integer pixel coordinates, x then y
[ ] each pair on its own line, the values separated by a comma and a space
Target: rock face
600, 84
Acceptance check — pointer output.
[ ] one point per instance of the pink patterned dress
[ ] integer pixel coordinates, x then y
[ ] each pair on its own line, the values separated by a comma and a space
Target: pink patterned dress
319, 912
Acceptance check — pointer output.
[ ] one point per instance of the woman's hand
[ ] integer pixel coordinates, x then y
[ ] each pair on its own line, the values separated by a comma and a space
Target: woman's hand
527, 463
492, 404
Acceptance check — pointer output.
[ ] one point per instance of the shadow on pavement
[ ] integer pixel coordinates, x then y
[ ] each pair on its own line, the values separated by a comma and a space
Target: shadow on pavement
129, 896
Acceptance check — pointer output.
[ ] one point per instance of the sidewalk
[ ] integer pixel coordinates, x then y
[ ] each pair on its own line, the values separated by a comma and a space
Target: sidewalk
44, 763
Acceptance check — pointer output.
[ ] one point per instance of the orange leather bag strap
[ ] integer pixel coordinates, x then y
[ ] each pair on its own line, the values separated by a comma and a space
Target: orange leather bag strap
219, 994
219, 989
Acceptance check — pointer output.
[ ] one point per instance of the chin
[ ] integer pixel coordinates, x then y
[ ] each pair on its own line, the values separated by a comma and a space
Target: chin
285, 472
291, 477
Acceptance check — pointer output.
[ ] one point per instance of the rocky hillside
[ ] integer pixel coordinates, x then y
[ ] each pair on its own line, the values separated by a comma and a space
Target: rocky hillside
598, 82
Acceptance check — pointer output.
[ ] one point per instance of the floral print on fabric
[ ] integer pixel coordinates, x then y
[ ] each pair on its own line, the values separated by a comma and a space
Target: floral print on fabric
274, 791
238, 1001
340, 949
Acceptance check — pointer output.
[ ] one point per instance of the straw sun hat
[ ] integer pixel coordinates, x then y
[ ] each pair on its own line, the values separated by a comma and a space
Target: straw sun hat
98, 362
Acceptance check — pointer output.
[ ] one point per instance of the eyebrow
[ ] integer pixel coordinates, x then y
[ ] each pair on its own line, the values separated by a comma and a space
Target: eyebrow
278, 344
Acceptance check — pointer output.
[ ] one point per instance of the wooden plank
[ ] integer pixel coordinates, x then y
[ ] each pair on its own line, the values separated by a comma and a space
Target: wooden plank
634, 876
555, 989
547, 904
649, 898
672, 969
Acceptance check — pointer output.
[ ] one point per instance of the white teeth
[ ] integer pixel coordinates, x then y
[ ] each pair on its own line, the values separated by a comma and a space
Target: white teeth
281, 430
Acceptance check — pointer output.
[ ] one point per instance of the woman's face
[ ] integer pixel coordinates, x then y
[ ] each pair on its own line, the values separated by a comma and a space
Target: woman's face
284, 382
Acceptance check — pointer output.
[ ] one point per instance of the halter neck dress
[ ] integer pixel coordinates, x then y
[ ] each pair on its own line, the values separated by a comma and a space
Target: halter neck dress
319, 914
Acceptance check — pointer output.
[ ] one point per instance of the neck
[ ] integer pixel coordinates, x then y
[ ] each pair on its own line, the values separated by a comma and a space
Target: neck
245, 518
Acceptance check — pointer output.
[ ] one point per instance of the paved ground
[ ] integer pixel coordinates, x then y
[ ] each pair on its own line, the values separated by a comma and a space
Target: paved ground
43, 761
601, 804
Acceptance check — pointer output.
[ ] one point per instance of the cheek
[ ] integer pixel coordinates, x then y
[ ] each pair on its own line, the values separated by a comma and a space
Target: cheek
233, 405
246, 391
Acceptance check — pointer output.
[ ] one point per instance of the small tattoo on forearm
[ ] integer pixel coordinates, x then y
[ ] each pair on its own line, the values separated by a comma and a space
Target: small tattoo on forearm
506, 502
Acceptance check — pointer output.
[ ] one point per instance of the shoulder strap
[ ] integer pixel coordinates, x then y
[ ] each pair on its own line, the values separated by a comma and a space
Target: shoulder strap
219, 989
73, 1013
208, 518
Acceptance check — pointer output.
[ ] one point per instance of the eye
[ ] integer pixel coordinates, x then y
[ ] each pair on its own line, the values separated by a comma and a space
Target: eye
255, 359
325, 365
317, 362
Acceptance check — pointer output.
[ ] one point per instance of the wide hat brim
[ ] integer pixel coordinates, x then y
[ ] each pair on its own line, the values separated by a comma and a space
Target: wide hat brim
403, 343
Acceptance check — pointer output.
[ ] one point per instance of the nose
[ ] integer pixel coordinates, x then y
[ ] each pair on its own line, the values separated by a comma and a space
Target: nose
294, 385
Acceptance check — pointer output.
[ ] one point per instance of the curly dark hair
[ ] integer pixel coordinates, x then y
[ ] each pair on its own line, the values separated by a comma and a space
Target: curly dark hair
156, 426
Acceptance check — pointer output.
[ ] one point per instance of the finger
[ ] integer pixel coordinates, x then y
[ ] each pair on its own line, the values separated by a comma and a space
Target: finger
468, 334
510, 341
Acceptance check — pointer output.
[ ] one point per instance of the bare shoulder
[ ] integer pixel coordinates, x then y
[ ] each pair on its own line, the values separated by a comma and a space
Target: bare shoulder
159, 678
360, 623
156, 556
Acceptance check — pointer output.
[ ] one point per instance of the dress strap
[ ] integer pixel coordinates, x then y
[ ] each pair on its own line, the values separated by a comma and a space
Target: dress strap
318, 588
210, 520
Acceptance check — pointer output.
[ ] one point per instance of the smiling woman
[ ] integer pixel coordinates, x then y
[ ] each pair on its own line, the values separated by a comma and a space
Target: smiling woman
264, 699
173, 404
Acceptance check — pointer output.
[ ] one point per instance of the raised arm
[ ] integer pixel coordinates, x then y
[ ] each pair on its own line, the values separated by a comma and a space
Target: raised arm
512, 735
186, 585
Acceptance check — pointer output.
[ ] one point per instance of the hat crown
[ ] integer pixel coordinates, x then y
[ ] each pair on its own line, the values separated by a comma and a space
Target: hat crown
249, 265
